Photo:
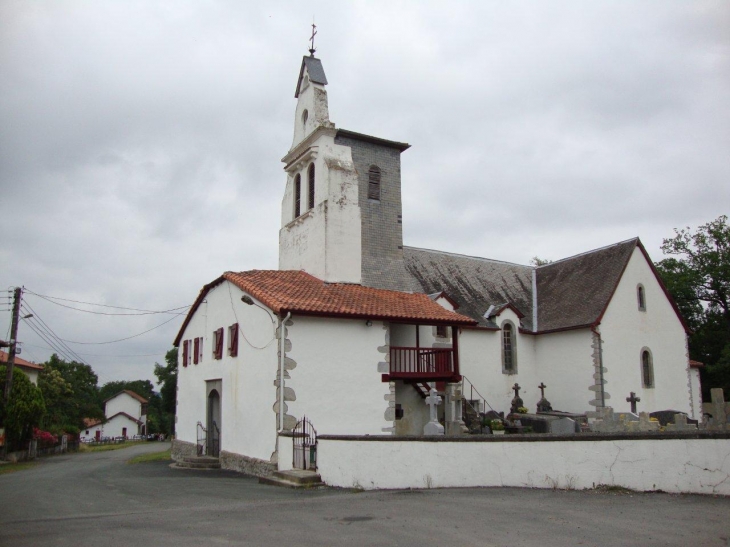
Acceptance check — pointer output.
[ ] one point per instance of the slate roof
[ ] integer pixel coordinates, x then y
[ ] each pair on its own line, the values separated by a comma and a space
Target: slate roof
298, 292
571, 293
315, 71
575, 291
474, 283
4, 356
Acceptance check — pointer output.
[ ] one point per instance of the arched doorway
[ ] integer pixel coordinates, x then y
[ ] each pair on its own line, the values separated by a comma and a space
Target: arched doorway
214, 423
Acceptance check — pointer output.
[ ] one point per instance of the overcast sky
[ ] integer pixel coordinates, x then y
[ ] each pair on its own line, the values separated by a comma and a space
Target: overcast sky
141, 141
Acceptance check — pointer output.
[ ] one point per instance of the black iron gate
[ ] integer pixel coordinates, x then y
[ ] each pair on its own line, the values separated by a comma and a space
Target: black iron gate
305, 445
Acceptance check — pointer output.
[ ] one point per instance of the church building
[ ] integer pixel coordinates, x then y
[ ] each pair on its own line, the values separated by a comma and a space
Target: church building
355, 329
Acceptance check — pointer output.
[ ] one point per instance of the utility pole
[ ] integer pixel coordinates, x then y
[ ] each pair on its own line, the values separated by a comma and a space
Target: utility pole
11, 357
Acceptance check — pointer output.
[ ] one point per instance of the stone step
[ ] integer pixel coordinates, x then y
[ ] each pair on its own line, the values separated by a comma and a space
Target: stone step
201, 459
197, 462
294, 478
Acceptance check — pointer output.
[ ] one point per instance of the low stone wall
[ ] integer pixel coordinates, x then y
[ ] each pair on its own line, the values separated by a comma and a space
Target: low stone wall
182, 449
695, 462
245, 464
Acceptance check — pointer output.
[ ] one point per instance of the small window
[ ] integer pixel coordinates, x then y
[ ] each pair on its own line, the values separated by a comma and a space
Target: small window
218, 343
310, 185
233, 340
186, 353
374, 182
305, 116
442, 331
297, 195
509, 357
641, 297
647, 369
87, 432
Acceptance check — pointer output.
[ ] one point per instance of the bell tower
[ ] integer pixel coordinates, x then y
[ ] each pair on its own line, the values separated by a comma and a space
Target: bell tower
320, 215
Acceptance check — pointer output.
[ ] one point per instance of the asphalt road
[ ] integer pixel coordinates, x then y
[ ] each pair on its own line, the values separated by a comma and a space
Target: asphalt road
98, 499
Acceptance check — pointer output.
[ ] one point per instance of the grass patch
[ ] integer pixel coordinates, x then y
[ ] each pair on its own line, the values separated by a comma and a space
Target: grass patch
13, 467
106, 447
152, 457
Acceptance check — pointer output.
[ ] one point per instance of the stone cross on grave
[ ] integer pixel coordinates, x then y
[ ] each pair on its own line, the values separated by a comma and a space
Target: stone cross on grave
433, 427
633, 399
718, 410
516, 401
543, 405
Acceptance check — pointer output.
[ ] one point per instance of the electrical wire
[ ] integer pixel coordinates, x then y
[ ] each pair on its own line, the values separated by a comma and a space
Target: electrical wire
173, 311
120, 339
239, 324
103, 354
28, 308
144, 312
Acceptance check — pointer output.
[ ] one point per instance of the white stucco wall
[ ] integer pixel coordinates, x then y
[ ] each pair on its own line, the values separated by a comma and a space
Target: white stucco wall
696, 393
123, 402
673, 465
115, 427
625, 331
480, 359
248, 424
31, 373
91, 435
326, 240
336, 379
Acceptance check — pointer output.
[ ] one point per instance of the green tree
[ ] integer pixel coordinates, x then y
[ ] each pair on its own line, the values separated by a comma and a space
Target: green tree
24, 411
83, 402
61, 414
698, 277
167, 378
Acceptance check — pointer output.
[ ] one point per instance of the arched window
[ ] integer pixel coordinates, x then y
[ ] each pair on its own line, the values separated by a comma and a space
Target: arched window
310, 176
641, 297
297, 195
509, 355
647, 368
374, 182
305, 116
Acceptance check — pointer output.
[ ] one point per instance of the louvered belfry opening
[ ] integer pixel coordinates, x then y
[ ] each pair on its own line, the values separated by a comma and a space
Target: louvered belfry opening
310, 185
297, 195
374, 182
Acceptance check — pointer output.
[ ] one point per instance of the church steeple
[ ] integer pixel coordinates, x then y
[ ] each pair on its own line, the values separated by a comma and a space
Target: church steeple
312, 110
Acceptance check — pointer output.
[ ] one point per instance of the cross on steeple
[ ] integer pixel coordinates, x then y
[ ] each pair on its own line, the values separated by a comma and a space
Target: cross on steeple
542, 387
633, 399
311, 39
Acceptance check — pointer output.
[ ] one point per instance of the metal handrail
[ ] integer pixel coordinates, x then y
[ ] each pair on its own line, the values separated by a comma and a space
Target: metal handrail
473, 390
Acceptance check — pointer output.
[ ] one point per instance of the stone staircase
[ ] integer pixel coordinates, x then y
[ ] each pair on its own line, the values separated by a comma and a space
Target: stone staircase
294, 478
197, 462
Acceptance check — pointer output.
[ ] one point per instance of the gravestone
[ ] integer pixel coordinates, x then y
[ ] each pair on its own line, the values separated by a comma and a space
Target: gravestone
633, 399
716, 412
668, 417
433, 427
543, 405
542, 423
681, 423
627, 417
453, 415
517, 402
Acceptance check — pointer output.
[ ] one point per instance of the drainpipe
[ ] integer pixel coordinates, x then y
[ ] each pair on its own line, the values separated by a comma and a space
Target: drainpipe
282, 357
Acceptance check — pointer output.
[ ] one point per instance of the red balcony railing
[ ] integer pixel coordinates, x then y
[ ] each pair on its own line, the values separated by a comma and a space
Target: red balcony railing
421, 363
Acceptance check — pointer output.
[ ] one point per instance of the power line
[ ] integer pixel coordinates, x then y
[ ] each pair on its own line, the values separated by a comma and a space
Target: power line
51, 333
144, 312
120, 339
104, 354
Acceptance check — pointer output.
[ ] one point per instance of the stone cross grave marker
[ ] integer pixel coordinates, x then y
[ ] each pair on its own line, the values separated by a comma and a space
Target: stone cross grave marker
633, 399
719, 411
680, 423
433, 427
516, 401
543, 405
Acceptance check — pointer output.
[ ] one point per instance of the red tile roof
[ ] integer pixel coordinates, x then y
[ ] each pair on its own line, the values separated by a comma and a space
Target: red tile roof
695, 364
135, 420
297, 292
91, 422
19, 362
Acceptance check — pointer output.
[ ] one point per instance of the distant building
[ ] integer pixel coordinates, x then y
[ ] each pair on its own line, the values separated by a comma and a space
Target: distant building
126, 416
31, 370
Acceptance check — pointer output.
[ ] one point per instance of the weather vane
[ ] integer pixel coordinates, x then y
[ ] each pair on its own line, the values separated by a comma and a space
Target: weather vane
314, 33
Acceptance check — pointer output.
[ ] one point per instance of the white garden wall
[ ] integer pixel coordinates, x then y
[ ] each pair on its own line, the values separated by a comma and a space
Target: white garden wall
681, 465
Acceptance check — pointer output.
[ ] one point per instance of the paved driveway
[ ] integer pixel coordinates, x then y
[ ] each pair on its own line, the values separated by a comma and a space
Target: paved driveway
98, 499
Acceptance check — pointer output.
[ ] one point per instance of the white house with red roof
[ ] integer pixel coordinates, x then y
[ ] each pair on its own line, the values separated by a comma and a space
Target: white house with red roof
355, 328
31, 370
126, 416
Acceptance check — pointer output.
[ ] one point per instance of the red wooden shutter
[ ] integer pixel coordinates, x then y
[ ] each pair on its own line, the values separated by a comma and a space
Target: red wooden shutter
200, 358
196, 349
219, 343
233, 340
185, 353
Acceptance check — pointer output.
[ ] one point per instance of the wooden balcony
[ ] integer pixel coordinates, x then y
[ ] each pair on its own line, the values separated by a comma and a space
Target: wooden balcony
427, 364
